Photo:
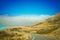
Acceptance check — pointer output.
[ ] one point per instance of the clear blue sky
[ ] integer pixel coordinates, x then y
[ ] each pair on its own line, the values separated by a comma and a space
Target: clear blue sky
29, 7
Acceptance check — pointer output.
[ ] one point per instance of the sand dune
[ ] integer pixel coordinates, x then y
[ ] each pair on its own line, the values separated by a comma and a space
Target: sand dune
49, 28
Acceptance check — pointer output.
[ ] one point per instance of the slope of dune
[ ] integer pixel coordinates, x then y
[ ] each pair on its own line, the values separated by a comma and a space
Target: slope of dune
13, 34
46, 26
49, 28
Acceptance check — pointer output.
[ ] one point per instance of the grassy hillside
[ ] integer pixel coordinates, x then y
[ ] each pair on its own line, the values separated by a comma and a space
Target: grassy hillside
49, 28
13, 34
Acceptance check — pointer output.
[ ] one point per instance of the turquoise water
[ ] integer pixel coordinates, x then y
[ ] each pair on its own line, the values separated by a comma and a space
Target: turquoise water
3, 27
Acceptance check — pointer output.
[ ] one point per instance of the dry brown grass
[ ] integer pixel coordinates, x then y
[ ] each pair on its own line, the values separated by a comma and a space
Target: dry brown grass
49, 28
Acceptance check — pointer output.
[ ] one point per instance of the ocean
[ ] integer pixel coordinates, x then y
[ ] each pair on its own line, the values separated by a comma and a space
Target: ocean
3, 27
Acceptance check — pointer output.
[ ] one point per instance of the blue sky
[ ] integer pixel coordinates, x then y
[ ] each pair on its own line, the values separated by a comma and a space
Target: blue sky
27, 12
29, 7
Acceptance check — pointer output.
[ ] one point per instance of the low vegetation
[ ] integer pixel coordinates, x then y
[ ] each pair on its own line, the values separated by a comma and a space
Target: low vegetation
48, 28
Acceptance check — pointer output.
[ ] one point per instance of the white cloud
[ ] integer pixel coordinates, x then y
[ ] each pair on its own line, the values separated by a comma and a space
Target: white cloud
24, 20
